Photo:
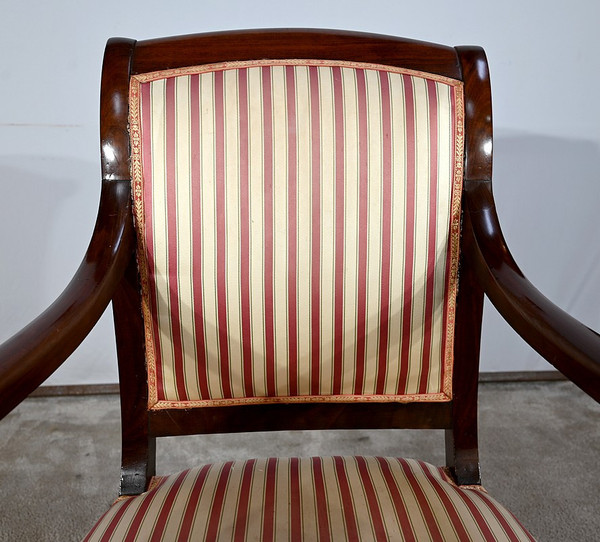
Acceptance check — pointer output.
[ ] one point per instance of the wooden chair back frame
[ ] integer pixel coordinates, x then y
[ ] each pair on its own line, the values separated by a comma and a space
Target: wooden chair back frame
141, 427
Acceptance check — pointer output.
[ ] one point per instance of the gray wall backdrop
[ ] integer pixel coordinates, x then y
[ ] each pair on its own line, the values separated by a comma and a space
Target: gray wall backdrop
545, 71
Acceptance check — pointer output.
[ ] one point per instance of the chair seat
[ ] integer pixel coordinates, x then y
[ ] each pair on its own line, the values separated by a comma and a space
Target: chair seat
319, 498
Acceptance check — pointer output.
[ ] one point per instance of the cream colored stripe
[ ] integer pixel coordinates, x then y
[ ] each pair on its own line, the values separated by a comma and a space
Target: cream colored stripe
351, 200
228, 516
310, 523
182, 501
98, 531
489, 517
420, 229
257, 296
510, 519
386, 505
232, 229
159, 215
280, 229
282, 521
374, 236
327, 229
230, 501
413, 509
333, 498
304, 227
184, 234
125, 521
304, 198
209, 241
359, 500
157, 503
256, 501
180, 504
407, 497
445, 176
205, 503
398, 225
466, 517
432, 495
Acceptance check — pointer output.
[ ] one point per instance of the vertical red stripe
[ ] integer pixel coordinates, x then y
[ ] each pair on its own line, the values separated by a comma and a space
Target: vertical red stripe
191, 509
397, 500
138, 519
463, 495
321, 500
428, 516
268, 531
221, 241
212, 528
108, 532
146, 126
268, 229
431, 234
241, 517
338, 101
409, 233
292, 263
386, 229
363, 226
165, 510
245, 233
510, 533
197, 280
171, 172
352, 533
371, 495
315, 119
493, 508
295, 501
449, 507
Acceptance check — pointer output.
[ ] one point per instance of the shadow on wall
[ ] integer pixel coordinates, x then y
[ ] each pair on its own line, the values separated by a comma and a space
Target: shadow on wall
29, 207
547, 192
47, 213
548, 196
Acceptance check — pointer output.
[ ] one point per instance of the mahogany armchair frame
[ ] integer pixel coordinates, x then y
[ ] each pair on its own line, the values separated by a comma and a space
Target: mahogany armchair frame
109, 271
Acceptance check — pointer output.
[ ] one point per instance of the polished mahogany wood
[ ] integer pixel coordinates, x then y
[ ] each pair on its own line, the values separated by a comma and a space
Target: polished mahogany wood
114, 110
109, 269
301, 416
180, 51
566, 343
138, 453
462, 455
478, 113
183, 51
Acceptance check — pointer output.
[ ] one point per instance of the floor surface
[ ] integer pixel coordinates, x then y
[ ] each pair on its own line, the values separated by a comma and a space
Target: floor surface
539, 449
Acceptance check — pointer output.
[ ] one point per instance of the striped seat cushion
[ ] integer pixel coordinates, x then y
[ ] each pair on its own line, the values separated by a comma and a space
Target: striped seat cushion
298, 226
328, 498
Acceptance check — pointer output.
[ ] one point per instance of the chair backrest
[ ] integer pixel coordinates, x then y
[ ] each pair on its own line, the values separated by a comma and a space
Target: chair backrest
296, 198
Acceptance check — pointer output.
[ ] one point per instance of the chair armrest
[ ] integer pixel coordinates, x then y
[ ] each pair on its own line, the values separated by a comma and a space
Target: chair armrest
566, 343
35, 352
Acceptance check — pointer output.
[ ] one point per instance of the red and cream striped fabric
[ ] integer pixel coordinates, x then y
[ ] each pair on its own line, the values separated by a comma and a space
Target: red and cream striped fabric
299, 226
319, 498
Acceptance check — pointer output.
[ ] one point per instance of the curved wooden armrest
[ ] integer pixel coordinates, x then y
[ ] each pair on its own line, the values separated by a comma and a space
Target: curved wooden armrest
570, 346
35, 352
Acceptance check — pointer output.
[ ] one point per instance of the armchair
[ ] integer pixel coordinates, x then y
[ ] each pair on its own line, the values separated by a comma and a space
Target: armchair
296, 231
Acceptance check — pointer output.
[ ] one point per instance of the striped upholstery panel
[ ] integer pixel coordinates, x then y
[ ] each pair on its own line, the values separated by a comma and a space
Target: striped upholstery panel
299, 228
328, 498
